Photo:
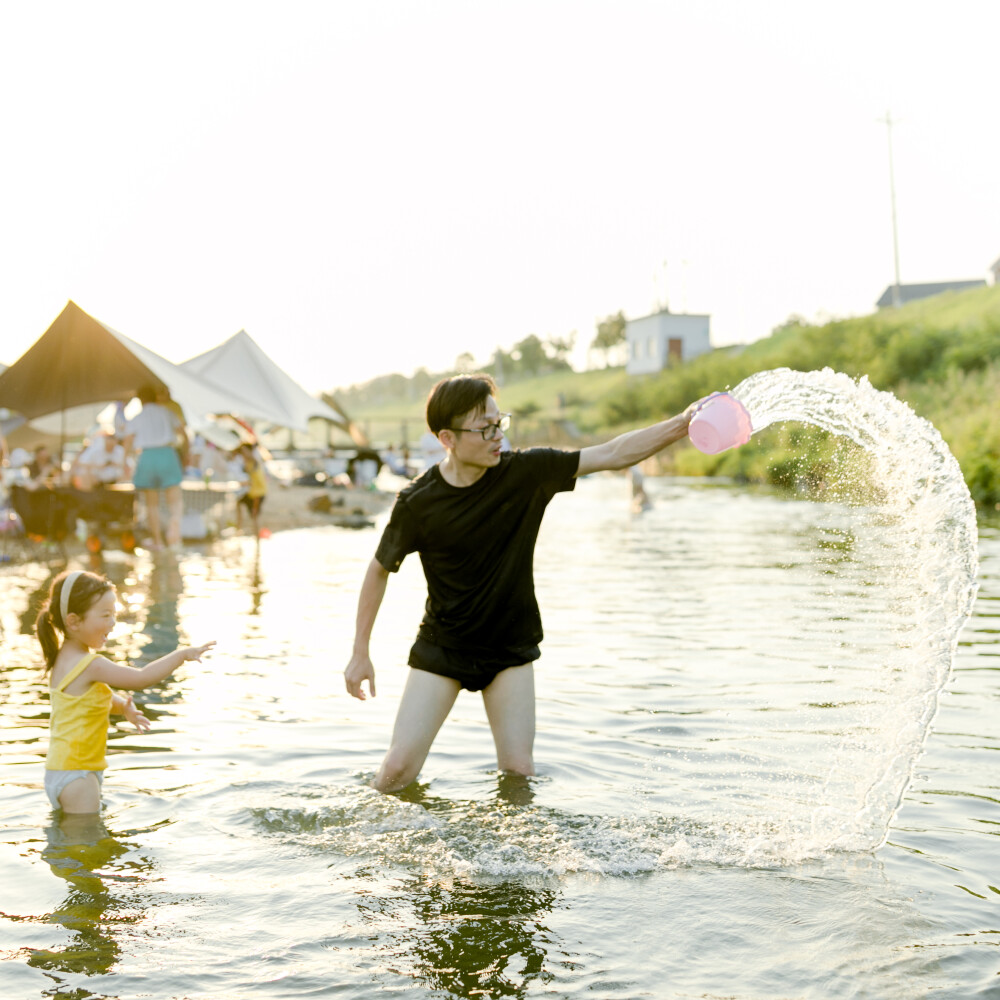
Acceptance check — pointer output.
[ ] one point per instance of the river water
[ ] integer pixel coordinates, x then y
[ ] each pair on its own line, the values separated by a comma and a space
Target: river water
767, 746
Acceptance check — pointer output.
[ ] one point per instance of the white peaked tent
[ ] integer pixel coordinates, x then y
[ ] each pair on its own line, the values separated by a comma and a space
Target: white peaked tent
241, 364
199, 396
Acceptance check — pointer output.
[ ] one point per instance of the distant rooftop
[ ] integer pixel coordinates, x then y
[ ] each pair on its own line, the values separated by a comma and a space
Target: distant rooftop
907, 293
667, 312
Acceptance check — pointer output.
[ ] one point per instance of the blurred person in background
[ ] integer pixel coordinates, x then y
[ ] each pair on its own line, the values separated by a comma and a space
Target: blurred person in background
153, 433
254, 479
101, 463
43, 469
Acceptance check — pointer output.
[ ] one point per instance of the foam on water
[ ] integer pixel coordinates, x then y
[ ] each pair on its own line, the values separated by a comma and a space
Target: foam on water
504, 840
929, 520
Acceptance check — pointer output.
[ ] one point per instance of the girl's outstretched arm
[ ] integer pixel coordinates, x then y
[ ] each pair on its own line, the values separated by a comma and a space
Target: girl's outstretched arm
136, 678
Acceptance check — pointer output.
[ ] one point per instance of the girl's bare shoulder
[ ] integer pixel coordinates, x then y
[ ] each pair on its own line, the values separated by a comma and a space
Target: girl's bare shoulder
66, 664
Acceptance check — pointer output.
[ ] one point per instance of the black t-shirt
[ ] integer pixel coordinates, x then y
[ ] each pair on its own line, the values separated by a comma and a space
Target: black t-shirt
476, 545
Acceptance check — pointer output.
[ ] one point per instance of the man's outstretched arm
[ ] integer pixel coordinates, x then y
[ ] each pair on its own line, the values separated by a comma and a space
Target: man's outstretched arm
360, 668
632, 447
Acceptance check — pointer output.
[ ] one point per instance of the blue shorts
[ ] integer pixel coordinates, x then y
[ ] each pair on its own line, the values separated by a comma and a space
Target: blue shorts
157, 469
56, 781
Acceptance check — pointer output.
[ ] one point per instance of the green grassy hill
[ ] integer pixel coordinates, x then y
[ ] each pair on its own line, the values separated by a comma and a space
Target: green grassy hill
941, 355
560, 407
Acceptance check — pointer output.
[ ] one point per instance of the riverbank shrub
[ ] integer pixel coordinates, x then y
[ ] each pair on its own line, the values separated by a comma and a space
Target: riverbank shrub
940, 355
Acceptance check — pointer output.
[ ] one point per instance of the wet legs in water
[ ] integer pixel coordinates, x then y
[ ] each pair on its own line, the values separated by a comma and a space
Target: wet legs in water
82, 796
175, 508
427, 700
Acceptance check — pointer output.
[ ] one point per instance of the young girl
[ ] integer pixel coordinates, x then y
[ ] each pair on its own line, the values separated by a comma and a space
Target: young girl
82, 606
255, 478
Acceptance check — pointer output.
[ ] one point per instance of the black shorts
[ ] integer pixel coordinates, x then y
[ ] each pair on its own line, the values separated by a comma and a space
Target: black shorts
473, 670
252, 504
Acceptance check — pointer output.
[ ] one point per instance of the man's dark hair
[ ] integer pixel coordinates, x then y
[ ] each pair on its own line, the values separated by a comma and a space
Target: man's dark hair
452, 398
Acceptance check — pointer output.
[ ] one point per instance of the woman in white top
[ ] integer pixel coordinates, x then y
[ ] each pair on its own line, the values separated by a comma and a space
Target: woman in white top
154, 433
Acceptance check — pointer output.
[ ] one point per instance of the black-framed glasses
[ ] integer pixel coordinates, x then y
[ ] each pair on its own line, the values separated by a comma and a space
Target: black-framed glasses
490, 432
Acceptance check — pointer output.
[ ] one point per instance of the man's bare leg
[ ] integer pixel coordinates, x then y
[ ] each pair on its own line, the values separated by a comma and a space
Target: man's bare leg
427, 700
510, 707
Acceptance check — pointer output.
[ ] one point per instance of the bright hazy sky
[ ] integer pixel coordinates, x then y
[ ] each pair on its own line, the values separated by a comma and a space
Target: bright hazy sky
371, 186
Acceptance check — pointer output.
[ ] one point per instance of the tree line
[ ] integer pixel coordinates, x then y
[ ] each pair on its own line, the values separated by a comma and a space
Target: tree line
528, 358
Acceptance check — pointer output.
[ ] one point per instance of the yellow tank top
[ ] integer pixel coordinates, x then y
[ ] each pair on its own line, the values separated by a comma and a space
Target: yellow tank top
78, 724
258, 481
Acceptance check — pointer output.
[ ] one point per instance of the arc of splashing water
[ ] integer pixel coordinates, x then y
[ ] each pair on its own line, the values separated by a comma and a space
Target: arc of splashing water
926, 495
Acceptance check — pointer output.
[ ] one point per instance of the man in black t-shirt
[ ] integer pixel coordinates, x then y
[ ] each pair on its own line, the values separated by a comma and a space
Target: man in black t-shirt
473, 520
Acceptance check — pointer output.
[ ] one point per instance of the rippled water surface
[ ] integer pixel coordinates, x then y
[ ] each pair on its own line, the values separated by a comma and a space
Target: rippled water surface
727, 681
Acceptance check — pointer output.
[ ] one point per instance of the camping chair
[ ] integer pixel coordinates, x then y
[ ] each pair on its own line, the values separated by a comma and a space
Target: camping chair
107, 512
51, 515
46, 514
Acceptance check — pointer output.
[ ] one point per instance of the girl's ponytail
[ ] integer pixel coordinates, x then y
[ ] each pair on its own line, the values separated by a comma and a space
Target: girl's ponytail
45, 629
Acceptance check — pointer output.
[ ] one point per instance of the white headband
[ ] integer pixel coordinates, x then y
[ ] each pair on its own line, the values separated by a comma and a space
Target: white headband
64, 594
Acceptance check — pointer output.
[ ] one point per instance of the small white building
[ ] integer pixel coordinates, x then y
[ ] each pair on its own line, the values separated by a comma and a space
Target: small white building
663, 339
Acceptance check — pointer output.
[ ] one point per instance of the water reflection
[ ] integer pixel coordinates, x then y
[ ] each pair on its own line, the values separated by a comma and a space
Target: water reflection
257, 588
469, 939
483, 938
98, 902
512, 789
150, 622
162, 626
517, 789
36, 598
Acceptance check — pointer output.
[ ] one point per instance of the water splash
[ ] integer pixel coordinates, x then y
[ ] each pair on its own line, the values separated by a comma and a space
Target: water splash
929, 518
761, 782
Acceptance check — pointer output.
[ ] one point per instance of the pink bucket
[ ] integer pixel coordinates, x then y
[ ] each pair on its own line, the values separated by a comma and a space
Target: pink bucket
720, 422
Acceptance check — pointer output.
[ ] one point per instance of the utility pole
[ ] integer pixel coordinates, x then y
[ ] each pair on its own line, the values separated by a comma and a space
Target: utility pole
896, 299
660, 283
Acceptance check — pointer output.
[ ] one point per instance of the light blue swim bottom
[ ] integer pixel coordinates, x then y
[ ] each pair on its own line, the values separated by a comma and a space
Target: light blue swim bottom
157, 469
56, 781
